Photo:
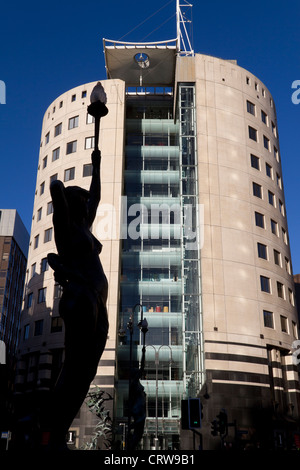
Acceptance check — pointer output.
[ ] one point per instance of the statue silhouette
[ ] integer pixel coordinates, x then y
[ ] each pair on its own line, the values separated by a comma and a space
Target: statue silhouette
78, 269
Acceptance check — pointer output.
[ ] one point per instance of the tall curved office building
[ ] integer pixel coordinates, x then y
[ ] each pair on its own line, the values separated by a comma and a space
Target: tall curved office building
195, 240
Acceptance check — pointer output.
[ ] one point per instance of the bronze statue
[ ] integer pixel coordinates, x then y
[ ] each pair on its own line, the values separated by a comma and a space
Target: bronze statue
78, 269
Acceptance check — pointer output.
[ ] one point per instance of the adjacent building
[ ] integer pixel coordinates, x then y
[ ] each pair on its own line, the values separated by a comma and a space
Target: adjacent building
195, 239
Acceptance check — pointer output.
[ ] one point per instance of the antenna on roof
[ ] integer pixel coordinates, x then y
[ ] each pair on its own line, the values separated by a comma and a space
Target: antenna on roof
184, 46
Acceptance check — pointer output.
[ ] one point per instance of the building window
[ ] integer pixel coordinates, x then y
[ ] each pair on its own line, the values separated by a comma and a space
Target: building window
287, 265
265, 284
268, 319
57, 130
48, 235
268, 170
58, 290
44, 265
55, 154
83, 94
71, 147
39, 214
263, 117
277, 258
257, 190
61, 104
45, 161
29, 299
26, 331
295, 329
259, 220
36, 242
89, 143
281, 207
56, 324
276, 155
278, 180
42, 295
262, 251
73, 122
90, 119
49, 208
87, 170
280, 290
274, 131
33, 269
271, 198
69, 174
284, 236
252, 133
251, 108
53, 178
266, 143
255, 162
38, 327
248, 80
73, 98
274, 227
284, 324
42, 188
47, 138
291, 297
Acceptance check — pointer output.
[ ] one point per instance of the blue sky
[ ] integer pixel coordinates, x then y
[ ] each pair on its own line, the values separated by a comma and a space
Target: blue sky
48, 48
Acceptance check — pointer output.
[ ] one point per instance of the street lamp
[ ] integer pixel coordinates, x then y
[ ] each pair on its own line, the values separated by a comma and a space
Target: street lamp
156, 387
97, 108
143, 326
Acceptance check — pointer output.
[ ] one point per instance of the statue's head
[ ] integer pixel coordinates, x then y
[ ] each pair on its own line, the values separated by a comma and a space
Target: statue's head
77, 200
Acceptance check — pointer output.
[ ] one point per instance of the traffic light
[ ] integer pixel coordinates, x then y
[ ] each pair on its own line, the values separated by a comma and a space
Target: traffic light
222, 418
194, 408
214, 428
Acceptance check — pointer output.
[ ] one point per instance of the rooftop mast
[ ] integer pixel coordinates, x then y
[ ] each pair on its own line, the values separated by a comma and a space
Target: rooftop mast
184, 46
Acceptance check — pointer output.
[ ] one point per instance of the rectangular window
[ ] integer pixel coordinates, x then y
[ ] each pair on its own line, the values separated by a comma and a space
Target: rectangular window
38, 327
263, 117
87, 170
265, 284
69, 174
287, 265
36, 242
48, 235
90, 119
259, 220
271, 198
73, 98
255, 162
39, 214
291, 297
284, 324
44, 265
262, 251
49, 208
26, 332
42, 188
268, 170
57, 129
276, 155
56, 324
42, 295
280, 290
268, 319
257, 190
58, 290
274, 227
278, 180
33, 269
47, 138
281, 207
284, 236
29, 299
251, 108
55, 154
45, 161
277, 258
73, 122
53, 178
266, 143
83, 94
274, 131
89, 143
252, 133
71, 147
